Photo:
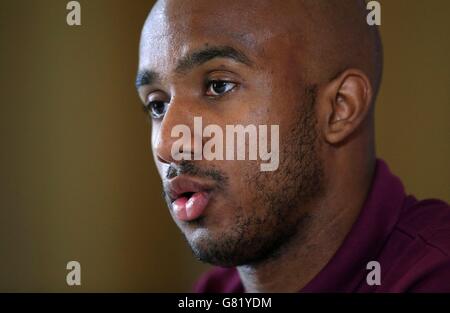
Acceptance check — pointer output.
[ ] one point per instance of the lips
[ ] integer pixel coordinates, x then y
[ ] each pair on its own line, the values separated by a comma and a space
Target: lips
189, 197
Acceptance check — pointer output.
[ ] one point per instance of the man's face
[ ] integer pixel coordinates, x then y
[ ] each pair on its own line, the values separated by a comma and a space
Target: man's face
230, 67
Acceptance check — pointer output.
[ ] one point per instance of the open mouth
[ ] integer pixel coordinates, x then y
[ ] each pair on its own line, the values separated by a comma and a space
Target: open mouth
189, 197
190, 205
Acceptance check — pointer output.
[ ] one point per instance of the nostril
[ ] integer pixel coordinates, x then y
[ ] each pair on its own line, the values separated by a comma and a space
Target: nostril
162, 160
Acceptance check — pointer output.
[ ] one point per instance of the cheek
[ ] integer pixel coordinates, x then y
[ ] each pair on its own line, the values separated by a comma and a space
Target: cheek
242, 181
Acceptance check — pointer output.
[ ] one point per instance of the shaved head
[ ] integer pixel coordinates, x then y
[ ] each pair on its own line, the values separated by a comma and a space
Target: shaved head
325, 37
338, 38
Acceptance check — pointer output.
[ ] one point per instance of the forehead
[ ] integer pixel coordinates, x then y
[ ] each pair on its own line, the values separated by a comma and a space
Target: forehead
174, 28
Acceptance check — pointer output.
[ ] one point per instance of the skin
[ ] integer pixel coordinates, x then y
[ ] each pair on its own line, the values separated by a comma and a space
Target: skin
311, 67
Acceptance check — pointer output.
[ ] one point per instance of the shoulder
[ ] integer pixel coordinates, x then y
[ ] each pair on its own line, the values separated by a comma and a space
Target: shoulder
429, 221
219, 280
424, 254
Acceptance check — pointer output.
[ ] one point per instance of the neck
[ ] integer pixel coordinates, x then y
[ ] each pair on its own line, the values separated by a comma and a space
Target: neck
318, 238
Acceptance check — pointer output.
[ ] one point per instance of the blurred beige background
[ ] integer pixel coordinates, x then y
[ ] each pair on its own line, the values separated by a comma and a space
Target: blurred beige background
77, 178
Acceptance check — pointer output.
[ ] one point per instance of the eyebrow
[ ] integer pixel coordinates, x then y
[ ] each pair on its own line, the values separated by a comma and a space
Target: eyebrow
206, 54
194, 59
145, 77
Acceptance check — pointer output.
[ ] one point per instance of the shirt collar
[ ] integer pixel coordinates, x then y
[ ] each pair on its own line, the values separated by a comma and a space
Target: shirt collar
380, 213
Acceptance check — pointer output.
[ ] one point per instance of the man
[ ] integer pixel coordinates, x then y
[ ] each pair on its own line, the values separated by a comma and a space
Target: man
331, 217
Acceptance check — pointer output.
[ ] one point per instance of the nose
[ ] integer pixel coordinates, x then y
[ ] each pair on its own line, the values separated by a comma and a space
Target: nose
173, 138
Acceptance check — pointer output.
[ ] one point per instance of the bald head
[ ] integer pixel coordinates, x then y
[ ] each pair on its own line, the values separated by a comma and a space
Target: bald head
325, 37
338, 38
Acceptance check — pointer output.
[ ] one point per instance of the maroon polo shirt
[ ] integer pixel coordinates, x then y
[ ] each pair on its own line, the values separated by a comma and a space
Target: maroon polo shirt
410, 240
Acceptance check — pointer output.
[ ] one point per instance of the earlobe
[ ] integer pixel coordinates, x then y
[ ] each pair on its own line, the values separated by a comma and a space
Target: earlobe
349, 97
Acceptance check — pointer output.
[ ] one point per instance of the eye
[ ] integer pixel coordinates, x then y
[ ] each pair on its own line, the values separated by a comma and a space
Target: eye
219, 87
157, 109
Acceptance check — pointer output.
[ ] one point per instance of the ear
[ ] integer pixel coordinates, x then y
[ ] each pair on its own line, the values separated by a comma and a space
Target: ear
346, 102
